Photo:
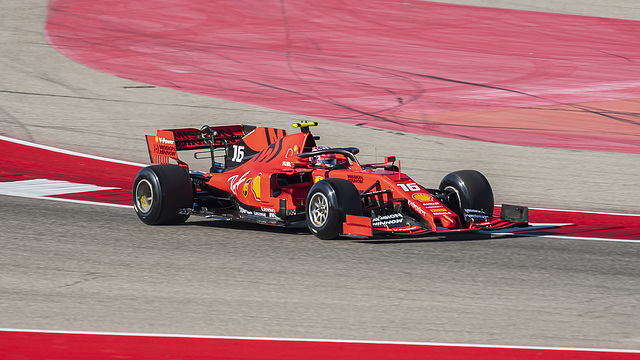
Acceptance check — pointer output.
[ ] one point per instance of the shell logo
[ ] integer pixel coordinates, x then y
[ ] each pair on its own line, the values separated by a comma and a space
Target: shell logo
317, 178
422, 197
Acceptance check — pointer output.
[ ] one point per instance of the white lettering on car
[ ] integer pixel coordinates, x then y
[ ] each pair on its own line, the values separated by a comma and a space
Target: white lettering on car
165, 141
235, 181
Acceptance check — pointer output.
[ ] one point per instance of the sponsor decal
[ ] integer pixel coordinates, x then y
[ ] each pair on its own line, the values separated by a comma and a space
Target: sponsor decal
418, 208
439, 210
357, 225
386, 220
186, 134
287, 164
317, 178
290, 153
245, 188
477, 215
159, 149
236, 180
390, 216
422, 197
433, 205
358, 179
163, 145
268, 210
410, 228
162, 140
189, 138
263, 214
191, 143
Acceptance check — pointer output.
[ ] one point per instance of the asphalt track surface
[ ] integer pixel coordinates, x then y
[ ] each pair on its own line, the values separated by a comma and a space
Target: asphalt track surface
79, 267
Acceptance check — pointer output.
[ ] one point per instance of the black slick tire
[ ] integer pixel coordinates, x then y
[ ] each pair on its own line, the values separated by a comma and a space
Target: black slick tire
469, 190
328, 202
159, 191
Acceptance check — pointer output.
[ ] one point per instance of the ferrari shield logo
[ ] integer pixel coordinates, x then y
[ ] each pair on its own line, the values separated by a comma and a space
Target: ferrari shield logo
245, 188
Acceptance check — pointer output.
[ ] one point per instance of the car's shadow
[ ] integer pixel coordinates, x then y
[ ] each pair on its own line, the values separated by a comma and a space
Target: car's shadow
247, 226
381, 239
432, 238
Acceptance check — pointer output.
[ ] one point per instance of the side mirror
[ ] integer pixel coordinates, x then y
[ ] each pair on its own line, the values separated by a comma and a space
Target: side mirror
389, 159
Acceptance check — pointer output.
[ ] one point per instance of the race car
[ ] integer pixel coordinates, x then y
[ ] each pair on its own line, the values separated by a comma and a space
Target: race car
265, 175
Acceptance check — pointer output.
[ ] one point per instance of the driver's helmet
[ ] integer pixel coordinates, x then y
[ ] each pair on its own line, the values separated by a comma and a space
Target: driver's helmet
327, 160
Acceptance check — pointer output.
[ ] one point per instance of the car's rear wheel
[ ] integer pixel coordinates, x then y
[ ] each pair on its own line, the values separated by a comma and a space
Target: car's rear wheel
468, 189
159, 191
328, 202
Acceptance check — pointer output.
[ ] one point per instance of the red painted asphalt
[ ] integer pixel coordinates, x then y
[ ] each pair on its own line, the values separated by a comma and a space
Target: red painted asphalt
28, 162
588, 225
83, 346
487, 74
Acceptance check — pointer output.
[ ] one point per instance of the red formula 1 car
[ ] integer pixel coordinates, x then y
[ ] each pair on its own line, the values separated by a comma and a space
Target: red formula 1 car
270, 177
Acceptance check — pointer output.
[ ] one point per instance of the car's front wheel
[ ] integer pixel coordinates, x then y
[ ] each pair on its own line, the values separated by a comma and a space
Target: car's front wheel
468, 189
159, 191
328, 202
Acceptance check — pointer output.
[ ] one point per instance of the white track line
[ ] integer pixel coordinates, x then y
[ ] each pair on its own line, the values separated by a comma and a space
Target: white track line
540, 226
565, 237
39, 190
64, 332
83, 202
46, 187
586, 212
581, 211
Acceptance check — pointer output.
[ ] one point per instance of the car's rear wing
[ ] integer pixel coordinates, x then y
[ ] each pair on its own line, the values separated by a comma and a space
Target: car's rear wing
166, 143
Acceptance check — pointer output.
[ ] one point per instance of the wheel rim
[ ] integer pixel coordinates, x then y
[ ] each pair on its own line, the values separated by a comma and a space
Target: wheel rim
458, 197
144, 196
318, 209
